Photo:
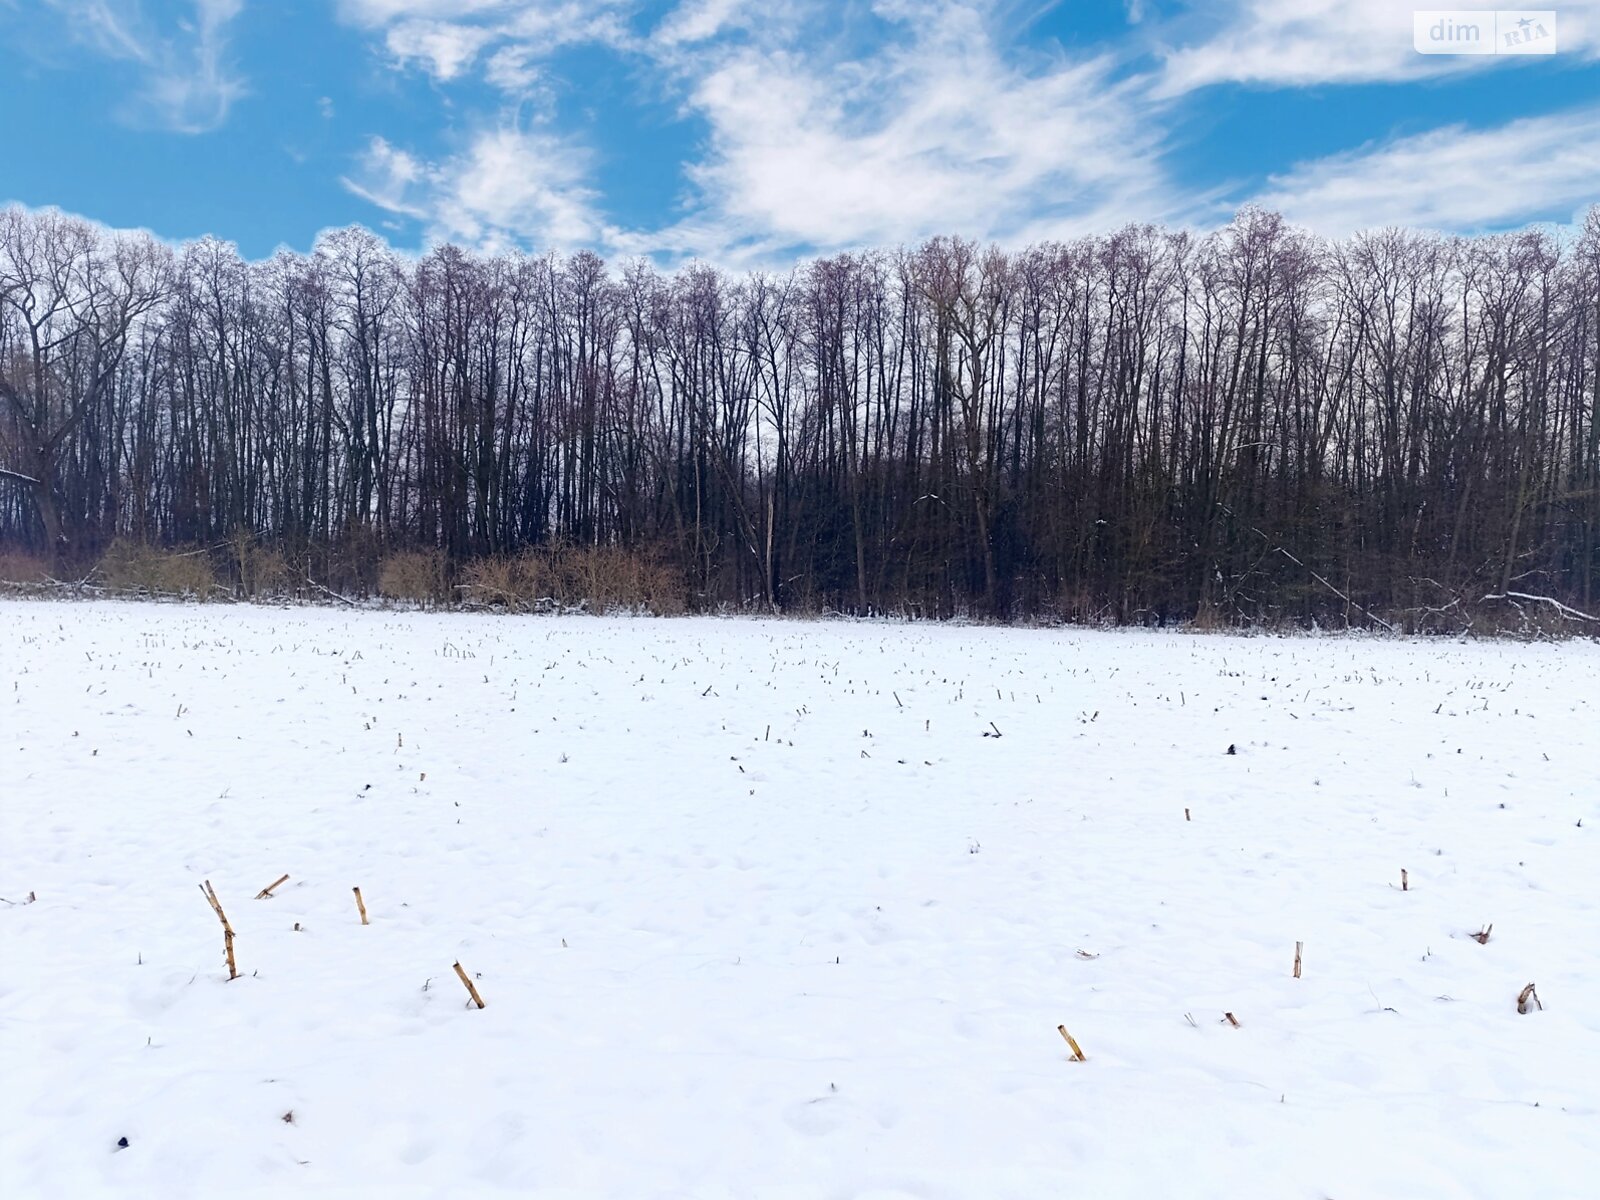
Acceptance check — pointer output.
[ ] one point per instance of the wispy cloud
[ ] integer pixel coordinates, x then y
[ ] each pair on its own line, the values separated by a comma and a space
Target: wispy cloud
1454, 179
815, 141
514, 181
388, 177
1295, 43
378, 13
444, 48
934, 130
512, 69
508, 187
187, 82
446, 37
698, 20
828, 129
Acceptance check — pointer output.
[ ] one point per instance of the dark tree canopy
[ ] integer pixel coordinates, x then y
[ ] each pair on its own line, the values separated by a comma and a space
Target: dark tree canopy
1258, 424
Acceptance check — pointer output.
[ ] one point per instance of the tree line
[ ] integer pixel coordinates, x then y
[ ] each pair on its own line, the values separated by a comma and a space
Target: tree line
1255, 425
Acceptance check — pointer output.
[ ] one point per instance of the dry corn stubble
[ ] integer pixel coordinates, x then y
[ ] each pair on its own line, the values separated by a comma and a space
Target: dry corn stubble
227, 929
1077, 1051
467, 983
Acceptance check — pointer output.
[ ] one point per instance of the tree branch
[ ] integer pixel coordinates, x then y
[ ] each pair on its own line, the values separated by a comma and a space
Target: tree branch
1563, 609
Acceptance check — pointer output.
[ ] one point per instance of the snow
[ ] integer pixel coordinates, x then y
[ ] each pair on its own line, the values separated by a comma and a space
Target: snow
758, 910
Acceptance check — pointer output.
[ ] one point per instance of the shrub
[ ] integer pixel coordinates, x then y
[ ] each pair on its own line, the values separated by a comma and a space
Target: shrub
493, 583
263, 570
597, 578
416, 576
132, 566
609, 577
353, 562
16, 567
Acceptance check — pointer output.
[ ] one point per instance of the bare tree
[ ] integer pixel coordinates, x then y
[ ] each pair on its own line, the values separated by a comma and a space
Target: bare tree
1255, 425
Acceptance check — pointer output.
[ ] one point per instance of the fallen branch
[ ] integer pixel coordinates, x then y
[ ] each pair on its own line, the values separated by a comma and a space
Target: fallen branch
1278, 549
202, 550
79, 584
310, 582
266, 892
1563, 609
1371, 616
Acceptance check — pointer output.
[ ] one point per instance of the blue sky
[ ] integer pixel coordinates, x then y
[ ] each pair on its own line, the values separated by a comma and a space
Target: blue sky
759, 133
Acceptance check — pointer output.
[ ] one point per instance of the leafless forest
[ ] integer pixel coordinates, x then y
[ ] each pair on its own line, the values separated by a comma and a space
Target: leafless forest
1258, 425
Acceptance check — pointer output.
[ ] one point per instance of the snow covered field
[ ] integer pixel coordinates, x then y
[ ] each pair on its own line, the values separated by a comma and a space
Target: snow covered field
766, 909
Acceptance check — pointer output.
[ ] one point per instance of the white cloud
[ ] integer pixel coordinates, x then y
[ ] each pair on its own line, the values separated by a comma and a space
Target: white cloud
378, 13
698, 20
445, 37
387, 176
549, 25
1453, 179
508, 187
825, 133
934, 133
186, 81
813, 145
1294, 43
443, 47
105, 26
512, 182
512, 69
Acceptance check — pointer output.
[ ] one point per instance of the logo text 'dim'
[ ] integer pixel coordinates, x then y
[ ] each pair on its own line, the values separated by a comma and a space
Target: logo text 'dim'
1484, 31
